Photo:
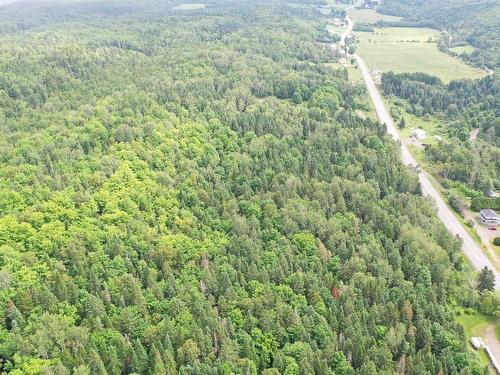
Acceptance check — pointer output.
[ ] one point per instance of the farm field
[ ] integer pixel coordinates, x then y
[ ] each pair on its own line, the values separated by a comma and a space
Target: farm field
369, 16
190, 6
336, 5
411, 50
403, 34
329, 6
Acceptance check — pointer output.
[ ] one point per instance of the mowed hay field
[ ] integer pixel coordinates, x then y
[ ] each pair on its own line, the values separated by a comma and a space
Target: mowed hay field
369, 16
401, 49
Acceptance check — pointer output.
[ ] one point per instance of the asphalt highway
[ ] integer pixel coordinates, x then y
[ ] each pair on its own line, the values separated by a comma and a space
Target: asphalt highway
472, 251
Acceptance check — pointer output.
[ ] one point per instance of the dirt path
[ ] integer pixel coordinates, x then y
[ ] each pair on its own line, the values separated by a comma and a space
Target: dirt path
347, 32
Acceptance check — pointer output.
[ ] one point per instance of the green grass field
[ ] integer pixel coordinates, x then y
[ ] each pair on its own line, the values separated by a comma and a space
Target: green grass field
402, 34
462, 49
475, 324
497, 252
369, 16
336, 29
354, 74
409, 50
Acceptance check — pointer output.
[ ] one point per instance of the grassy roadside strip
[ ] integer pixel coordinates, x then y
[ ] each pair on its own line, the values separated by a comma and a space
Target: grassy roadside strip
475, 324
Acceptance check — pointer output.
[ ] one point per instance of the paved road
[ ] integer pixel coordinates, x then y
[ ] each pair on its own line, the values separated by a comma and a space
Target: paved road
473, 252
347, 31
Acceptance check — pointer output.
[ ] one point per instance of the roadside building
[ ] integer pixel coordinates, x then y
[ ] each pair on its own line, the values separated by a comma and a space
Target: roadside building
488, 217
344, 61
419, 134
377, 76
338, 22
492, 193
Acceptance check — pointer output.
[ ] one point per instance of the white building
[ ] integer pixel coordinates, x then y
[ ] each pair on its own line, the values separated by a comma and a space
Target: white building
419, 134
492, 194
338, 22
488, 217
377, 76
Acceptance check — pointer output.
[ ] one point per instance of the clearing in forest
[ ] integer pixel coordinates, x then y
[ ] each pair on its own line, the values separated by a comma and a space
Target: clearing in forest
401, 50
479, 325
463, 49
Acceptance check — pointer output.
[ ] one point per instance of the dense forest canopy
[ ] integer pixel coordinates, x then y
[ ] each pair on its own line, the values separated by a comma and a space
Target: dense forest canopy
465, 22
191, 191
